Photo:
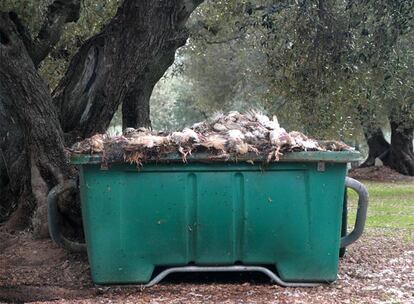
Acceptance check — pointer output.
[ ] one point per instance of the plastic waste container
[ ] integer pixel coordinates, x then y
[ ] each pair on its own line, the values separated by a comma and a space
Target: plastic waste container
217, 216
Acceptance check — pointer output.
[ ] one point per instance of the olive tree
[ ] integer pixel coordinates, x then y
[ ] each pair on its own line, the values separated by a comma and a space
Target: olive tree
119, 64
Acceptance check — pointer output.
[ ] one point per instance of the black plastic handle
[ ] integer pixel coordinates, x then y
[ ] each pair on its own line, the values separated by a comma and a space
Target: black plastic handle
53, 218
361, 212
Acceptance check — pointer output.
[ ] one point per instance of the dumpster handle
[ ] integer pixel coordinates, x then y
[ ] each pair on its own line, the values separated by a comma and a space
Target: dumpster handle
53, 218
361, 215
273, 277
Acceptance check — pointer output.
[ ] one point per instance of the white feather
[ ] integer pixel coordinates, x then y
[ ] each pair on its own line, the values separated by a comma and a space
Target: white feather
191, 134
235, 135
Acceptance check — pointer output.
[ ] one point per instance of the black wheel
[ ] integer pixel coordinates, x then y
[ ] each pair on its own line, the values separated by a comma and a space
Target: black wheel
344, 222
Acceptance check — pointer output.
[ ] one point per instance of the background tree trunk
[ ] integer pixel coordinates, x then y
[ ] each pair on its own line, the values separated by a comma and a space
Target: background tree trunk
397, 155
401, 156
135, 106
377, 146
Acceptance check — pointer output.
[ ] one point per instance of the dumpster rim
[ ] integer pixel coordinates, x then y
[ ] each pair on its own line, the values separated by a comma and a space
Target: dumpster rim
303, 156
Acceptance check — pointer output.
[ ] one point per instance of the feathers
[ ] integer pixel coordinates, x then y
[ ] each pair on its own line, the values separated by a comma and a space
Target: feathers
221, 136
235, 135
218, 127
94, 144
148, 141
214, 141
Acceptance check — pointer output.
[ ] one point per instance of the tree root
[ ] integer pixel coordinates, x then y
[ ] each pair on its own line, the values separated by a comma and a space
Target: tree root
40, 190
41, 185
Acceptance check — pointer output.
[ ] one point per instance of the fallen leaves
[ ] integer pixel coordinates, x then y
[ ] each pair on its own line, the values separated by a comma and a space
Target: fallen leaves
376, 269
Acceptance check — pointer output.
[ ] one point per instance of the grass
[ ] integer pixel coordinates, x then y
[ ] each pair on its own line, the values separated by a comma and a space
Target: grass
391, 207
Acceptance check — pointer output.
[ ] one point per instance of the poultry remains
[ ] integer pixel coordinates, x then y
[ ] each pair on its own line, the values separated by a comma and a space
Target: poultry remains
225, 137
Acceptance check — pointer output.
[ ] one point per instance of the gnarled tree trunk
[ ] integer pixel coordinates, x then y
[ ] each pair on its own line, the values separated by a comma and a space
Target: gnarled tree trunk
401, 156
26, 98
120, 64
12, 163
378, 147
398, 154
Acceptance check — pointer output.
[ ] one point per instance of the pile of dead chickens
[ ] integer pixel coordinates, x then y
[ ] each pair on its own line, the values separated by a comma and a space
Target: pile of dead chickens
223, 137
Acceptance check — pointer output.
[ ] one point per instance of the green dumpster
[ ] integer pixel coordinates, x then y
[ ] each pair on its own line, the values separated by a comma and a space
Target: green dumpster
216, 216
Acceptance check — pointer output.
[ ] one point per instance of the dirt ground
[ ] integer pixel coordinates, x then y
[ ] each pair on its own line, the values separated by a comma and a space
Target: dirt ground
382, 174
374, 270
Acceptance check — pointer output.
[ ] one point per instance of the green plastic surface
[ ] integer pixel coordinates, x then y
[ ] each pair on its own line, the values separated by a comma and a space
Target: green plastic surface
285, 214
309, 156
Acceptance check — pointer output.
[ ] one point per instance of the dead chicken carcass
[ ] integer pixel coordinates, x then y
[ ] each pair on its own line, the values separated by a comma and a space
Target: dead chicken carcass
216, 142
148, 141
94, 144
221, 136
185, 141
237, 144
303, 142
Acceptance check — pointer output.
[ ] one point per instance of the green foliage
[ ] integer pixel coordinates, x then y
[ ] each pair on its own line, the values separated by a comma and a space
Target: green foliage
173, 106
305, 42
321, 66
31, 12
382, 34
216, 71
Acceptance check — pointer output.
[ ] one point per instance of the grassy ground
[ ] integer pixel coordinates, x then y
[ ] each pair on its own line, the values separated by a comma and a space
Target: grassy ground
391, 208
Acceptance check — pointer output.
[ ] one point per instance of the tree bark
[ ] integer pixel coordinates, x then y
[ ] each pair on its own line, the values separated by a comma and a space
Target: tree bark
401, 156
135, 106
12, 164
15, 186
59, 12
26, 97
377, 146
123, 62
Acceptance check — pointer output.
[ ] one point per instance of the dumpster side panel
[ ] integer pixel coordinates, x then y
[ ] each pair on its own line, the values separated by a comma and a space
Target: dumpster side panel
286, 214
318, 261
292, 218
134, 221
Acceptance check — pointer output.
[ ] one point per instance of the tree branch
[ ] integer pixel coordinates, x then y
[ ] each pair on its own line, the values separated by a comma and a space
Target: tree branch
22, 30
59, 13
128, 54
